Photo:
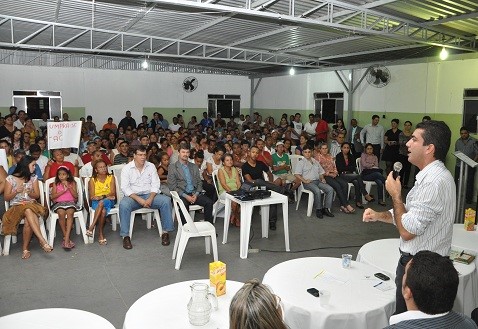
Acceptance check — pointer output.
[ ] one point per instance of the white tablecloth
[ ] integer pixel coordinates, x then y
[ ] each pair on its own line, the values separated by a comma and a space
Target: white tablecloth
166, 307
354, 302
465, 240
246, 218
54, 318
384, 255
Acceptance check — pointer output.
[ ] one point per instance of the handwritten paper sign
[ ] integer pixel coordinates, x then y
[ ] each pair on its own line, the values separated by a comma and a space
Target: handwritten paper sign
63, 134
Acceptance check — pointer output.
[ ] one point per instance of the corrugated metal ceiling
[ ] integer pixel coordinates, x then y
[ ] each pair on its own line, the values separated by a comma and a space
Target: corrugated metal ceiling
330, 32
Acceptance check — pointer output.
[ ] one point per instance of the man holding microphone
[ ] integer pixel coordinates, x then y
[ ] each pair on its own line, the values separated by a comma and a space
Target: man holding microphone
425, 220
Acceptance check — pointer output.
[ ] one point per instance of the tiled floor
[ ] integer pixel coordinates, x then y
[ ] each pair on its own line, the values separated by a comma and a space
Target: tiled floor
107, 280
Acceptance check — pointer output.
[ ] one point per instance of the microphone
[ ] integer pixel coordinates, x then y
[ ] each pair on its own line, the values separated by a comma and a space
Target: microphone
397, 167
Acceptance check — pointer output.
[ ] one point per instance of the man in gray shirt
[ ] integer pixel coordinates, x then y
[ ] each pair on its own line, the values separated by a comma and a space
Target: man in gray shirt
311, 174
373, 133
468, 146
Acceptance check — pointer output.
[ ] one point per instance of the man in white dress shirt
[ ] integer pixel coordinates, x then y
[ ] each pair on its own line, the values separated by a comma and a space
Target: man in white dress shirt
310, 126
374, 133
430, 285
141, 187
425, 220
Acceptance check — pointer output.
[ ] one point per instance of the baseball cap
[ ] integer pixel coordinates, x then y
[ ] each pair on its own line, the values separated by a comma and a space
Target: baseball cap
246, 131
279, 143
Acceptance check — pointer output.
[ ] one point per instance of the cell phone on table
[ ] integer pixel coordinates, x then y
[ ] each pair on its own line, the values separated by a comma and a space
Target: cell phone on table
314, 292
382, 276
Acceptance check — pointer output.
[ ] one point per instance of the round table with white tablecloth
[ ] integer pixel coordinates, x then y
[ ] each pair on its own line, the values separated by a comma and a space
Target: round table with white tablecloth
384, 255
166, 307
354, 301
54, 318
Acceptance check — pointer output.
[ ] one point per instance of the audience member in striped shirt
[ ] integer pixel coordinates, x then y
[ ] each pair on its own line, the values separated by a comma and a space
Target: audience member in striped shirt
425, 220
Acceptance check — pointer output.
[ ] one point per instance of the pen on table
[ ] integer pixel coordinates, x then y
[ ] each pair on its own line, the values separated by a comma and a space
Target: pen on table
315, 277
378, 284
462, 253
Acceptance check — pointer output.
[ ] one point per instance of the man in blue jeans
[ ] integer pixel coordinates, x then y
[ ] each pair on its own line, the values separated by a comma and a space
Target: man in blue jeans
140, 185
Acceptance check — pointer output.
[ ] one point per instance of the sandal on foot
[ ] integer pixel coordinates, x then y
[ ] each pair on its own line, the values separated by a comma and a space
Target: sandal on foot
359, 205
344, 209
103, 242
66, 246
89, 233
46, 247
26, 254
351, 209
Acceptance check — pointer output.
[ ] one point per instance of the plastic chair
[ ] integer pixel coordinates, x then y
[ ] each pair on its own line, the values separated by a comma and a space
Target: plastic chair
302, 189
221, 204
9, 238
114, 212
191, 230
80, 223
368, 183
144, 212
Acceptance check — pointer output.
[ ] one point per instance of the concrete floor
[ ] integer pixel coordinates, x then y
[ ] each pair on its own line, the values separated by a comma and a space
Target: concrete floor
107, 280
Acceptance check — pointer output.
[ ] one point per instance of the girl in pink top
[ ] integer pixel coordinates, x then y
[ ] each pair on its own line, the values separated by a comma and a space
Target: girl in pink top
65, 197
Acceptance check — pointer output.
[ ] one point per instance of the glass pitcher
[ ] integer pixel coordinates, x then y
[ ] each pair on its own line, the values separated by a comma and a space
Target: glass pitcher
199, 306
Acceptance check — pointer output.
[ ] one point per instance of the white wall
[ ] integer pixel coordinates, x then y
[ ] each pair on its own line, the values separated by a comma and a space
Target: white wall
107, 93
435, 87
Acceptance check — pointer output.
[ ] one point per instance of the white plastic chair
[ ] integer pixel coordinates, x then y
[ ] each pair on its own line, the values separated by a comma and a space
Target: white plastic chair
310, 203
80, 223
368, 183
114, 212
220, 204
144, 212
191, 230
9, 238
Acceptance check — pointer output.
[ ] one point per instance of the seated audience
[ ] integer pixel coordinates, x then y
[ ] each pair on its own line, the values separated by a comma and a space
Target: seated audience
253, 172
21, 191
212, 164
65, 202
163, 172
371, 171
429, 287
123, 156
140, 185
102, 192
333, 179
281, 167
59, 160
229, 180
347, 169
110, 125
184, 178
311, 174
18, 155
255, 306
87, 169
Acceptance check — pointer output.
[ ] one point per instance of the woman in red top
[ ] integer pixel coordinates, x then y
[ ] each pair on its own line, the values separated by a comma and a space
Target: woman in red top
333, 179
58, 161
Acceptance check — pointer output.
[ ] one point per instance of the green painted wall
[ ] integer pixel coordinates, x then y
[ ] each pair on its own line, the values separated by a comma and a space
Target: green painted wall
4, 110
75, 113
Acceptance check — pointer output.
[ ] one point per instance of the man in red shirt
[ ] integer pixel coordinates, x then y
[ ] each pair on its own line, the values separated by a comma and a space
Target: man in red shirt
264, 155
322, 129
91, 148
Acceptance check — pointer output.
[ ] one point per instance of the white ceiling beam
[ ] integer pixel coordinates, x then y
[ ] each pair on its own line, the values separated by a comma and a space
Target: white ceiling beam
454, 18
360, 53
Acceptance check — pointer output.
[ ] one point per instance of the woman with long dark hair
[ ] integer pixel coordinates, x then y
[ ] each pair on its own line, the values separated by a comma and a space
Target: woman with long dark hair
22, 191
332, 178
347, 169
